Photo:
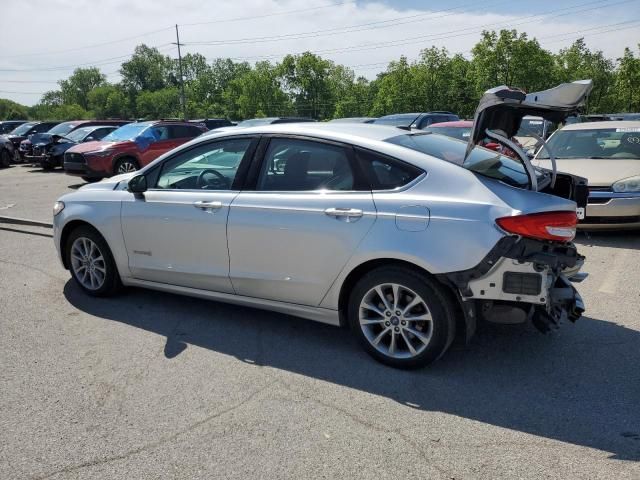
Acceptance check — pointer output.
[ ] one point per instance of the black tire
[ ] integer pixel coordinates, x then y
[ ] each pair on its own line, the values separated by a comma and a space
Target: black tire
440, 306
5, 158
111, 284
17, 158
91, 179
46, 166
124, 163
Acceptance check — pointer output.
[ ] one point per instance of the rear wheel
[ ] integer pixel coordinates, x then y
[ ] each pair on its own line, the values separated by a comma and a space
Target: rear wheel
126, 165
402, 318
5, 158
91, 263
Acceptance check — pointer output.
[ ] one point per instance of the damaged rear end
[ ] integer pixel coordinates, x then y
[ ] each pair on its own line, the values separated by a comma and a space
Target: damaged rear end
528, 275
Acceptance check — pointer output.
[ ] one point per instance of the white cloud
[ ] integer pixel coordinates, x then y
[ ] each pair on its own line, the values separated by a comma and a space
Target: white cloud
48, 26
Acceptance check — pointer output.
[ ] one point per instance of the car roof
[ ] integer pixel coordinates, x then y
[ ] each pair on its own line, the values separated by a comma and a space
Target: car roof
365, 131
603, 125
457, 123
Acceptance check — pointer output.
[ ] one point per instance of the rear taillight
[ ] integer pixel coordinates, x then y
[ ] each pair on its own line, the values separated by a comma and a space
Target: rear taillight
559, 226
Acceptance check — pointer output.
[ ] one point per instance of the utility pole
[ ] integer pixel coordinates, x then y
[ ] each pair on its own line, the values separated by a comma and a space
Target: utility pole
183, 100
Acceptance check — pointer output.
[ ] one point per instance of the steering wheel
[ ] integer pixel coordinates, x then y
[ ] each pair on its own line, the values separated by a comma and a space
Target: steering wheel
220, 182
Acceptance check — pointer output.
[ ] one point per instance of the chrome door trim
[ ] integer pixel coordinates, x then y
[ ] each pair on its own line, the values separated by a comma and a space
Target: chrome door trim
318, 314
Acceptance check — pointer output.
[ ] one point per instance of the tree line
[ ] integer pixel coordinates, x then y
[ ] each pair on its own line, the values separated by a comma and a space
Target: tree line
310, 86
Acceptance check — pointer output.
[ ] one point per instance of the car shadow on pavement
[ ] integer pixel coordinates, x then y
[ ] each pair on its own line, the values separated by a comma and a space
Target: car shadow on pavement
629, 240
579, 385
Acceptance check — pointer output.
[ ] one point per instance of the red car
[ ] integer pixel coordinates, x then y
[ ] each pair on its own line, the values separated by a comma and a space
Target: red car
462, 131
128, 148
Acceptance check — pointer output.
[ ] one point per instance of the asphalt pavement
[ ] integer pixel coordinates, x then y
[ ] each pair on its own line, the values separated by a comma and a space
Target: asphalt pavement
152, 385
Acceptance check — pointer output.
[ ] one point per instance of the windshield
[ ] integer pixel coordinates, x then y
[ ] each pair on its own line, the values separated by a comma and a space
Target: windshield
126, 132
254, 122
400, 120
461, 133
79, 134
22, 129
605, 143
480, 160
62, 129
530, 127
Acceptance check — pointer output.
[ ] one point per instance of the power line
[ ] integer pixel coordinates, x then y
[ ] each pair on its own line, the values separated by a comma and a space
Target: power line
347, 29
275, 14
145, 34
439, 36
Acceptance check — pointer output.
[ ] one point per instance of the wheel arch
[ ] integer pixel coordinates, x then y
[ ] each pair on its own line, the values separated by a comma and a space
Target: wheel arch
66, 231
362, 269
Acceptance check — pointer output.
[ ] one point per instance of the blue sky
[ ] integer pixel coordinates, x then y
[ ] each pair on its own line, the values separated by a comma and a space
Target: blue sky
44, 40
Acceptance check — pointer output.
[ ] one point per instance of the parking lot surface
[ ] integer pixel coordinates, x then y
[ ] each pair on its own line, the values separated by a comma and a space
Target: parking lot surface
152, 385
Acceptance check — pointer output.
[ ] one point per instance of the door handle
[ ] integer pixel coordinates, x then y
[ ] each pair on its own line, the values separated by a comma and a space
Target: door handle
348, 213
207, 205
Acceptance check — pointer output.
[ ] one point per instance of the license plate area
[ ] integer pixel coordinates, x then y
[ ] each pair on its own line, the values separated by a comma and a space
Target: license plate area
581, 212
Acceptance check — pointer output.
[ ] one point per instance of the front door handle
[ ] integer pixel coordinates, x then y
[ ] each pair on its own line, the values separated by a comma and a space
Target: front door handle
349, 214
207, 205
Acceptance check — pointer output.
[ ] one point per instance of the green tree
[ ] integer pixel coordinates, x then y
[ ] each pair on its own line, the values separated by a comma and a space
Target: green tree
164, 103
307, 79
10, 110
258, 91
108, 101
627, 84
77, 87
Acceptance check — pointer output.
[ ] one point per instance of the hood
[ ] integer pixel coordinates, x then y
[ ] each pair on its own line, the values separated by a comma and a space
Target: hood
599, 172
93, 146
502, 108
109, 183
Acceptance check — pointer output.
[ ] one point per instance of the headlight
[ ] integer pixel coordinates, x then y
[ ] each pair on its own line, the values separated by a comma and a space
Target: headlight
631, 184
57, 208
100, 153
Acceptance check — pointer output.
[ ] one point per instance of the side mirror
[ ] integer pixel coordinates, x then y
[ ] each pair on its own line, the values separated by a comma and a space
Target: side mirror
137, 184
89, 139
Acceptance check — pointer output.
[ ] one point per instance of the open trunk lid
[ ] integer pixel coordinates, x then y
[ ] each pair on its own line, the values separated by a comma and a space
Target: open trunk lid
500, 113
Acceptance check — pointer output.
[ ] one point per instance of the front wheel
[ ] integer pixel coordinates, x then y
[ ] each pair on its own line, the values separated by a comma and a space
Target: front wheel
91, 263
402, 318
17, 158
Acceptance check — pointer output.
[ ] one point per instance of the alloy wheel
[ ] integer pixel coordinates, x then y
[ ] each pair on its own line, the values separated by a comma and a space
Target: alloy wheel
395, 320
87, 261
127, 166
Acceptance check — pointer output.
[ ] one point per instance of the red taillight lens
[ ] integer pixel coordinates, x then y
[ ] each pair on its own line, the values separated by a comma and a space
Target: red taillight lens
559, 226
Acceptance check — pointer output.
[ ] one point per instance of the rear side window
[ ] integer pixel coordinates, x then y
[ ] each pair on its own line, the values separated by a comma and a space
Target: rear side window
303, 165
386, 173
184, 131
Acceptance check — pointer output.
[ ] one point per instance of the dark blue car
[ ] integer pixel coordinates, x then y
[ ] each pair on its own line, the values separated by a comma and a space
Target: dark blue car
49, 149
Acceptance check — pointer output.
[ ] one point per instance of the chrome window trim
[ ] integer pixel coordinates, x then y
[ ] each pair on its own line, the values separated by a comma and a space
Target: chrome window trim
612, 194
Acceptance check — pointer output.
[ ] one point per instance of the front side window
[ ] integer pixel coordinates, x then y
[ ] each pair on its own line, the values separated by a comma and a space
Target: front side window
601, 143
212, 166
184, 131
303, 165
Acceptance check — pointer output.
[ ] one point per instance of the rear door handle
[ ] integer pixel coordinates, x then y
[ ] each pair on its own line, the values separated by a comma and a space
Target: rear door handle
348, 213
207, 205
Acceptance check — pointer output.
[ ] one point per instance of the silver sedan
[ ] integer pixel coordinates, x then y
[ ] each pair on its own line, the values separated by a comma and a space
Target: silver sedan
403, 236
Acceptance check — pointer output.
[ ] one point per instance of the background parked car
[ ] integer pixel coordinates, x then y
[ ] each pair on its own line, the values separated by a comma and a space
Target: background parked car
6, 152
21, 132
49, 150
416, 120
460, 129
128, 148
353, 120
213, 123
532, 127
7, 126
608, 155
60, 130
